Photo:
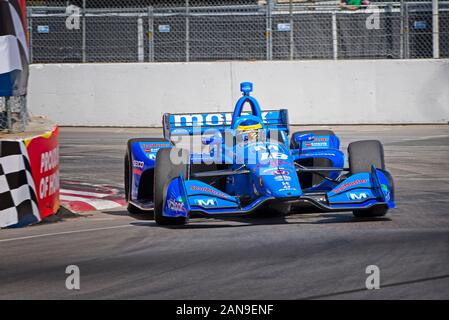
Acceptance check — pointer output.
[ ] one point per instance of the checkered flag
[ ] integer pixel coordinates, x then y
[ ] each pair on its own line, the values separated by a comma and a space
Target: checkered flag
13, 48
18, 201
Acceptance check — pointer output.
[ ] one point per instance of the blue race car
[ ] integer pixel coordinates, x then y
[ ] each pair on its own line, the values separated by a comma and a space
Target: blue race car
234, 164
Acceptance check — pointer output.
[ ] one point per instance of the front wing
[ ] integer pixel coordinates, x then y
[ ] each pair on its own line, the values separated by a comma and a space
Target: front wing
359, 191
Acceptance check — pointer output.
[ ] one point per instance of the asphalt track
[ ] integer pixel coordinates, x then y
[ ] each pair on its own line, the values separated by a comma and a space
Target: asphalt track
307, 256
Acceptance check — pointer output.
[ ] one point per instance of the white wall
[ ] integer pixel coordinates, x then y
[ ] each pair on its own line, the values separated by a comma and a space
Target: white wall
315, 92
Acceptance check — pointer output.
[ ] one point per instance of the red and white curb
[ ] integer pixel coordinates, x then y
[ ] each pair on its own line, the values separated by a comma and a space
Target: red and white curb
83, 197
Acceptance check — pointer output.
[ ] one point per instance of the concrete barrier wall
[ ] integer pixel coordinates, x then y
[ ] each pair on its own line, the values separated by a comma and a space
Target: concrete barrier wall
315, 92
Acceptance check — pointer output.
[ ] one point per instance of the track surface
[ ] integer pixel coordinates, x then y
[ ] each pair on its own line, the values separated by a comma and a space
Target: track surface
300, 256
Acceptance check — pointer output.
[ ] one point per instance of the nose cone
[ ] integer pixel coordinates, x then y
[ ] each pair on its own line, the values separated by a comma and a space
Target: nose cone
281, 183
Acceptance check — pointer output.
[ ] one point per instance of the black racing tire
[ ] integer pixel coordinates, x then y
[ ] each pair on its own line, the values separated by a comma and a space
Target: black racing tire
362, 156
131, 208
164, 172
294, 144
126, 175
378, 211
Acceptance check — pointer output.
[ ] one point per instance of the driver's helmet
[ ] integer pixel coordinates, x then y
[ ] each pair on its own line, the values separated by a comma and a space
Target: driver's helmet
250, 132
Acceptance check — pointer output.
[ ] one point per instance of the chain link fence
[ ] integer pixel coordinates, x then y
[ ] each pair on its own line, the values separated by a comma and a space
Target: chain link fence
83, 31
13, 114
208, 30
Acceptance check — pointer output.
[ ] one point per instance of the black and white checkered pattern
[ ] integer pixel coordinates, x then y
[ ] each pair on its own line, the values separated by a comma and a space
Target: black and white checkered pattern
13, 49
18, 202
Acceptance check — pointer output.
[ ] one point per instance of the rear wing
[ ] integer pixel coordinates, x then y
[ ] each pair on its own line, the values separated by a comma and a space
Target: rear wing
183, 124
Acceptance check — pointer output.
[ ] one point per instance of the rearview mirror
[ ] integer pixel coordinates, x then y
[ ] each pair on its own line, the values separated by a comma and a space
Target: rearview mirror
304, 137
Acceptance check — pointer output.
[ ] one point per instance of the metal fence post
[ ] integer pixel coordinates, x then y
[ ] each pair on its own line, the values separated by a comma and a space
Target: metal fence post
24, 111
269, 31
389, 30
334, 35
150, 34
401, 37
30, 33
435, 29
406, 32
8, 114
187, 32
292, 39
140, 37
84, 32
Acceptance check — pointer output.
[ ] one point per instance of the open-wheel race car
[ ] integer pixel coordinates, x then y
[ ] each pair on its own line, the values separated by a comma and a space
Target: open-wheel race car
234, 164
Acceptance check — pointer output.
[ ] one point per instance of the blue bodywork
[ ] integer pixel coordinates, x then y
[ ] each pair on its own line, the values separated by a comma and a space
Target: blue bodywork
255, 174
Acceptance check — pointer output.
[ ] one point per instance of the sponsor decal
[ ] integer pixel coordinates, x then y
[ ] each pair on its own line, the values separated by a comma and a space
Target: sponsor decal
273, 155
153, 147
138, 164
318, 142
268, 170
350, 184
207, 202
286, 186
49, 184
282, 178
210, 190
263, 147
273, 163
386, 191
43, 153
358, 196
176, 206
319, 154
280, 172
49, 160
206, 119
137, 171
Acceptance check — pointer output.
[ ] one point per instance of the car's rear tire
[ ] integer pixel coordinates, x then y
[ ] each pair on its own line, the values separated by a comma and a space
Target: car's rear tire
131, 208
164, 172
362, 156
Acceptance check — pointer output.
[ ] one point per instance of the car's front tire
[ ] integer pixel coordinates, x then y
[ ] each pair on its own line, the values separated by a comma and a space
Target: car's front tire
371, 213
362, 156
164, 172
